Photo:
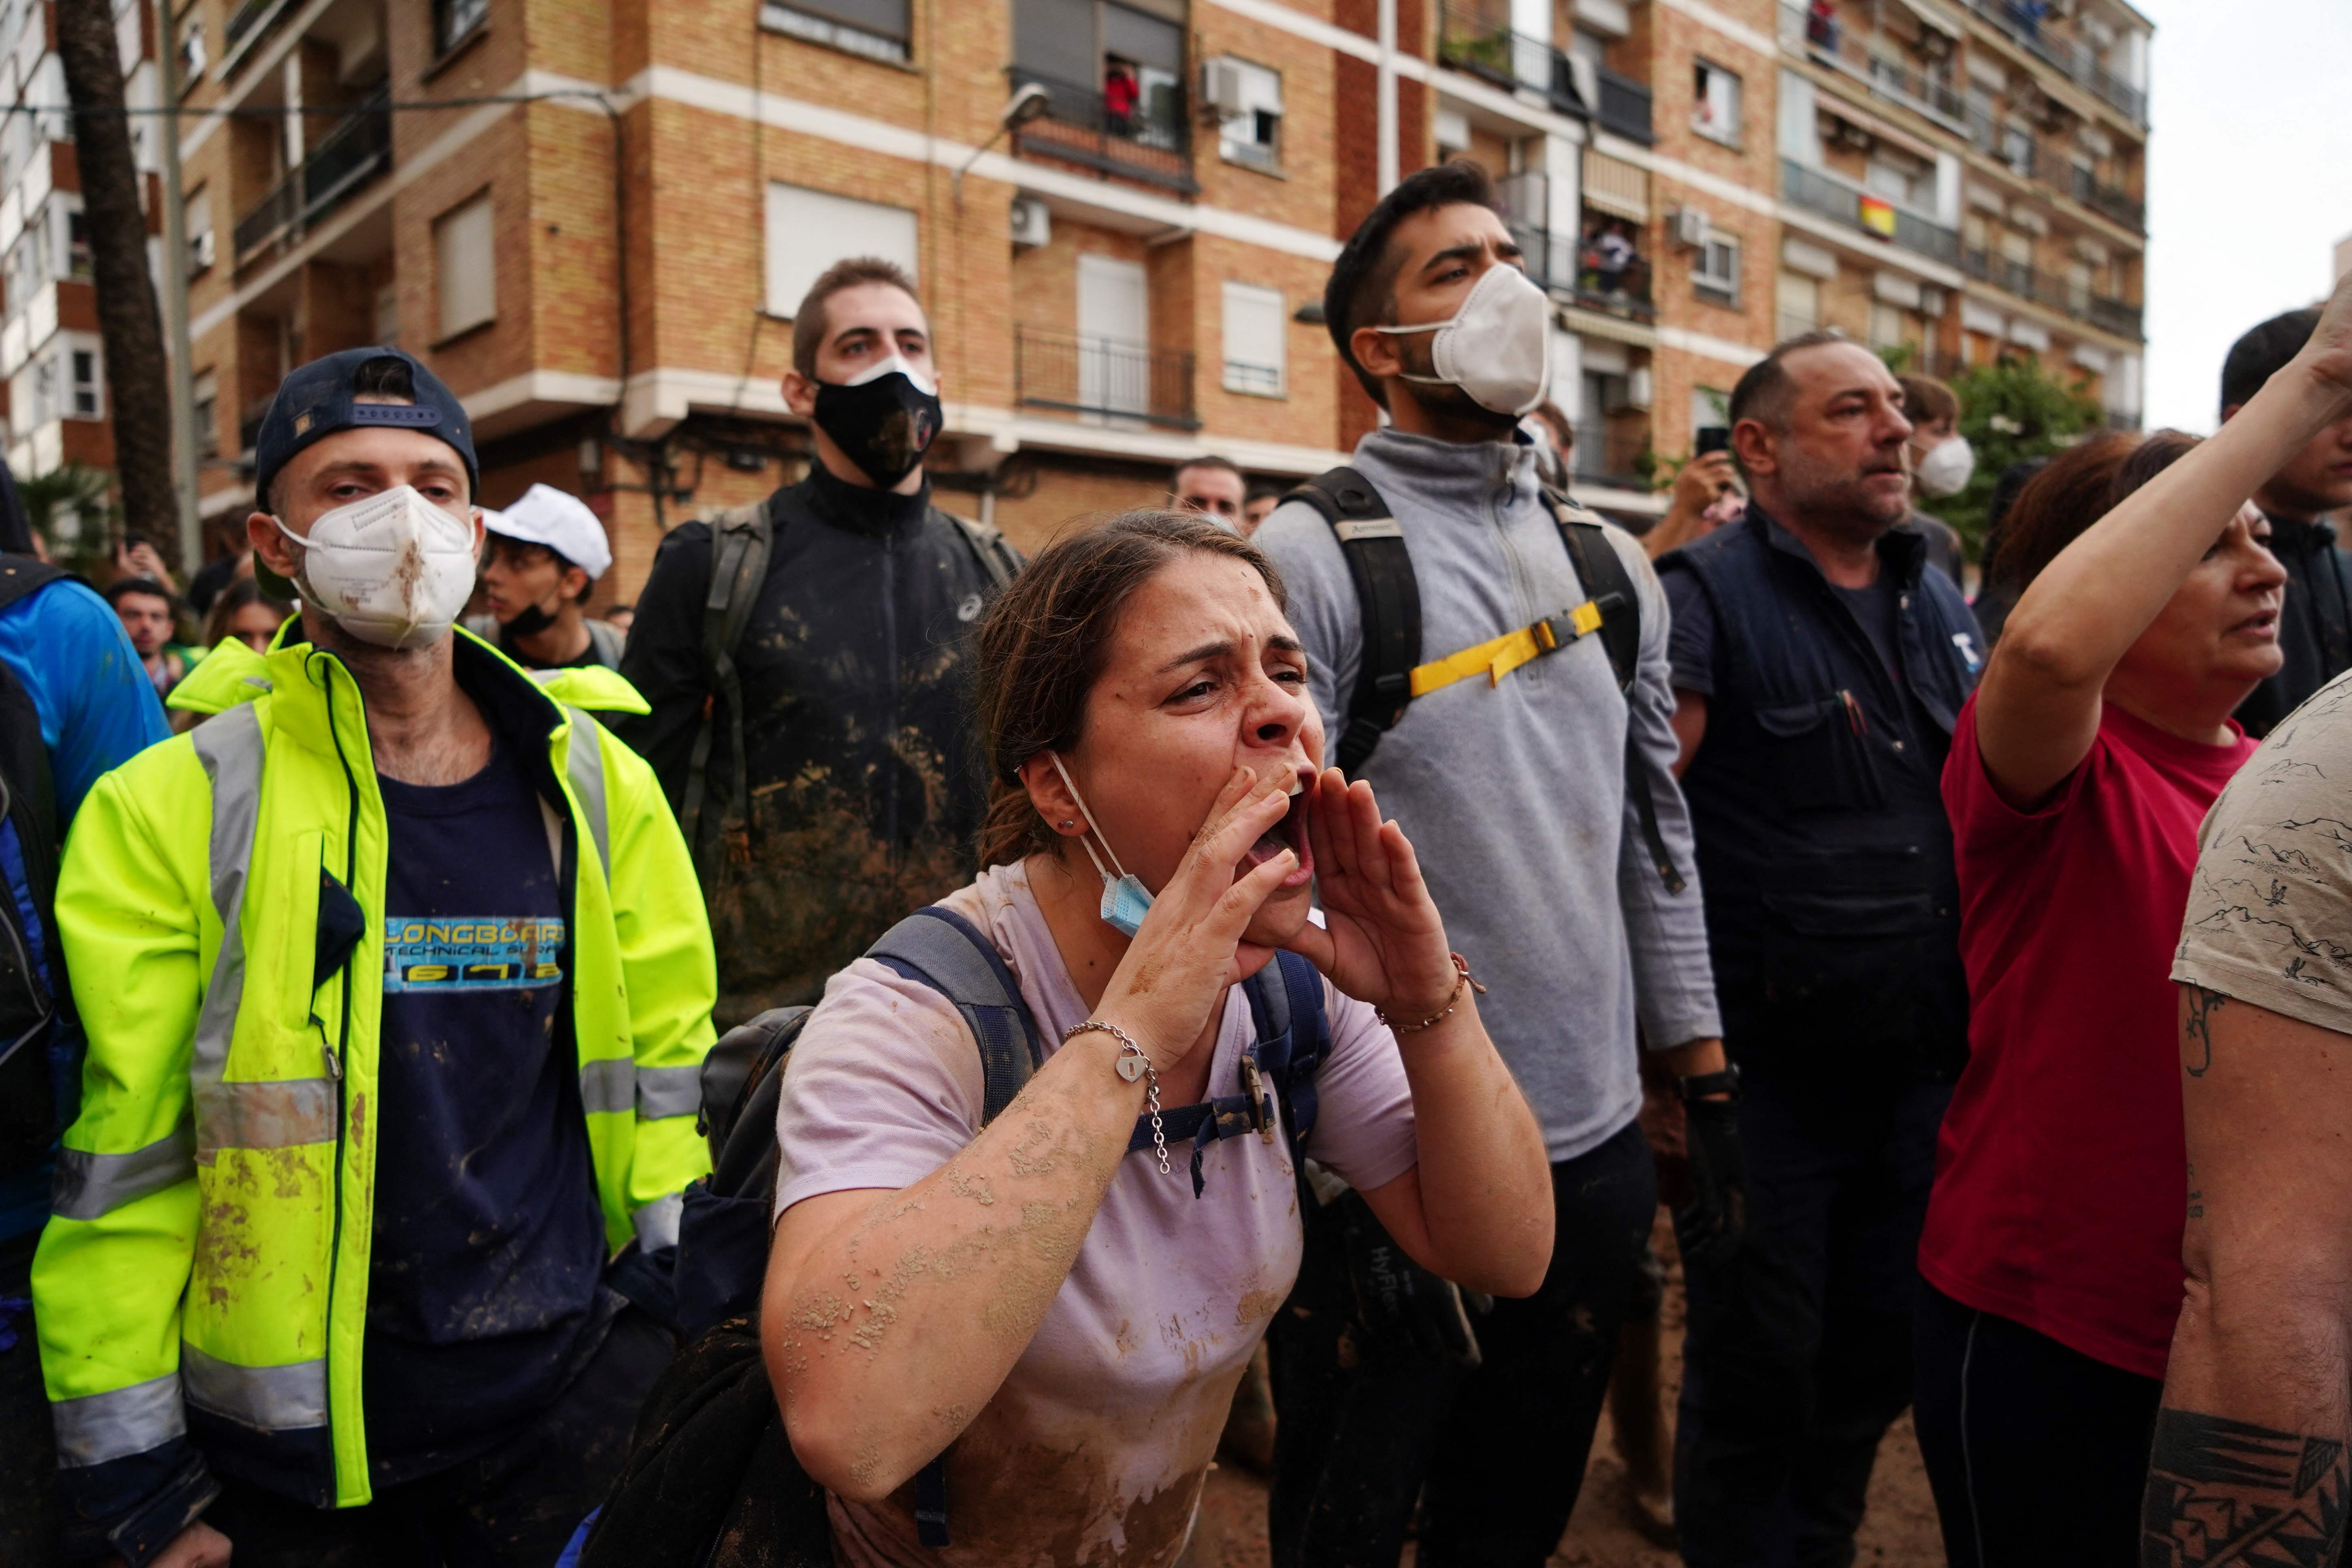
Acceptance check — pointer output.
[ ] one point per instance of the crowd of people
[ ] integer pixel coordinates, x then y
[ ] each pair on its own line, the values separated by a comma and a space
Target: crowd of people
896, 1055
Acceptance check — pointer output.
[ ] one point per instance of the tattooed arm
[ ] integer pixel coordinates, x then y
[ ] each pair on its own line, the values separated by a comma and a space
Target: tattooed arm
2249, 1464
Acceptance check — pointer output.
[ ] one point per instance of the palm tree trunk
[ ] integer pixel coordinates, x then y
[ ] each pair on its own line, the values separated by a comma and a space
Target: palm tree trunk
129, 322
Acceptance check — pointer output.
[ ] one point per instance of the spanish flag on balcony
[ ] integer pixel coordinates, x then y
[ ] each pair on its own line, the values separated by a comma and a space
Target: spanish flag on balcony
1878, 217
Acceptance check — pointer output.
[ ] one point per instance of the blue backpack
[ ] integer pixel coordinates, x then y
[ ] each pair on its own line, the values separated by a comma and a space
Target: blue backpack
722, 1249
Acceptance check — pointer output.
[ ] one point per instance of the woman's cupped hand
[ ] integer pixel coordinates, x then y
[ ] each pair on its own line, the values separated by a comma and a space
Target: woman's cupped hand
1189, 948
1381, 941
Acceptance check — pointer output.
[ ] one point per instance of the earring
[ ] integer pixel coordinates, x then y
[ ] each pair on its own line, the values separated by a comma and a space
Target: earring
1069, 825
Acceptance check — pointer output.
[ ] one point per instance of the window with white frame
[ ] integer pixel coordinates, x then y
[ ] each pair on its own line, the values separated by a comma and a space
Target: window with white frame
1256, 325
808, 231
454, 21
196, 224
82, 398
1714, 275
1800, 303
77, 244
1715, 102
1248, 99
206, 388
465, 266
44, 389
878, 29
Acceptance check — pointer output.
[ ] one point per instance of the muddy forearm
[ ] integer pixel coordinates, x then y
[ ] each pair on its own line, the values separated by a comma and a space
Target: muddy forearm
899, 1325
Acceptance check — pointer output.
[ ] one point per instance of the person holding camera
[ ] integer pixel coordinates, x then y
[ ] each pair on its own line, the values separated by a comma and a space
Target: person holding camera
1819, 666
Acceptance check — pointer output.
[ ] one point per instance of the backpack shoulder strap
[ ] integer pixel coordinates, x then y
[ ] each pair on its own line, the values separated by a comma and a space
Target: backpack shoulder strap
1293, 1036
941, 949
994, 552
741, 540
1388, 602
1603, 572
1606, 583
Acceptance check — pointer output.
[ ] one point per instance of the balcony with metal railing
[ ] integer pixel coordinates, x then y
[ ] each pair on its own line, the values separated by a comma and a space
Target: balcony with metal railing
1151, 142
1609, 452
2023, 24
1873, 61
2067, 296
1470, 38
1103, 380
1625, 105
347, 158
1819, 190
1580, 274
2025, 156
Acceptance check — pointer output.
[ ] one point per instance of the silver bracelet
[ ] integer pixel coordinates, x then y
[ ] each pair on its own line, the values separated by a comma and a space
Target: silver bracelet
1134, 1062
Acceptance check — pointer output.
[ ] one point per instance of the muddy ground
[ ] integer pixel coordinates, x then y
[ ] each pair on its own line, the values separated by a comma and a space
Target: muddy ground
1900, 1529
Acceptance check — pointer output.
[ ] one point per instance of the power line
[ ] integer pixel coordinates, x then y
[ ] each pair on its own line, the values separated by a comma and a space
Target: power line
601, 97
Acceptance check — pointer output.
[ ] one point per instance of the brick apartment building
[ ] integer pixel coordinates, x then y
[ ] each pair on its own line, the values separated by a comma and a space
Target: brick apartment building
595, 220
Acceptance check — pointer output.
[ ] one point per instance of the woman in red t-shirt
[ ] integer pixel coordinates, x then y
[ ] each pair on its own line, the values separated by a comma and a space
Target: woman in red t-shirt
2078, 772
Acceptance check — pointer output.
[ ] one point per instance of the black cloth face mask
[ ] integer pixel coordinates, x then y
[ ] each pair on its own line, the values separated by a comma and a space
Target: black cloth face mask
883, 421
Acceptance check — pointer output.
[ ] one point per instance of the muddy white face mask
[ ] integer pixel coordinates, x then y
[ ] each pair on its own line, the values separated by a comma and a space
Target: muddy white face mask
394, 570
1498, 347
1125, 899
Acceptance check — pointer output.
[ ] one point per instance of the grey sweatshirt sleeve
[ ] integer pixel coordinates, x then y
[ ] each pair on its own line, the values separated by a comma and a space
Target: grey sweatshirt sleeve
1322, 608
1673, 981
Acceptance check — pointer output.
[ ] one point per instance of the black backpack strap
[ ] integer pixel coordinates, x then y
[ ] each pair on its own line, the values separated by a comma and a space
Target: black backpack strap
1388, 603
741, 540
1603, 572
941, 949
1285, 1002
23, 575
988, 546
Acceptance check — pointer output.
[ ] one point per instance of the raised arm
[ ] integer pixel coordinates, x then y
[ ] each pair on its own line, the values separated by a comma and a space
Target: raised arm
2252, 1441
889, 1318
2038, 709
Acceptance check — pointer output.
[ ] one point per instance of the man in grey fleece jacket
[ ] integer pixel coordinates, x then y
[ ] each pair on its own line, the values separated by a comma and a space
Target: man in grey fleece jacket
1513, 793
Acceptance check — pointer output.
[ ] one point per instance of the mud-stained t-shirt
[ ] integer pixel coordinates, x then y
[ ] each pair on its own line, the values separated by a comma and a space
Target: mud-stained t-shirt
485, 1281
2270, 906
1094, 1448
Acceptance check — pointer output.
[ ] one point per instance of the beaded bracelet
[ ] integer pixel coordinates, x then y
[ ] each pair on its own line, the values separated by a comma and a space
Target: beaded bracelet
1462, 968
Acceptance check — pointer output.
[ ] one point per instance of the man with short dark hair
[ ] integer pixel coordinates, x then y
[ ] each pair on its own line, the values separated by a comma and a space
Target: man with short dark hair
1819, 666
546, 552
150, 613
2315, 630
810, 722
1263, 499
1211, 486
1535, 780
397, 991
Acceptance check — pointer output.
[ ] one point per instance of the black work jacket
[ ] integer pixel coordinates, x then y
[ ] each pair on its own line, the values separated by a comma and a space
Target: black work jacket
1833, 917
2315, 622
866, 790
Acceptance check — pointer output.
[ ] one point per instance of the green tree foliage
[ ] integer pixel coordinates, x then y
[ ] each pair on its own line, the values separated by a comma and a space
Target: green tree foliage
2012, 411
71, 507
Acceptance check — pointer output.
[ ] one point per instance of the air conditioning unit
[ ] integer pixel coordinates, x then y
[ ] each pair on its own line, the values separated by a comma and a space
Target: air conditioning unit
1687, 226
200, 251
1640, 390
1033, 224
1222, 89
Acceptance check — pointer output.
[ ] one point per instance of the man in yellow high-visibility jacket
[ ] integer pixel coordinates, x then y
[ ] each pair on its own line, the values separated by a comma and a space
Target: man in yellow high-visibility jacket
397, 983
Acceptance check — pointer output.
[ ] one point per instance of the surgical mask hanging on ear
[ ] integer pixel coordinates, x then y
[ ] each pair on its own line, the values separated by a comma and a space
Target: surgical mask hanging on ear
1125, 899
1947, 468
1498, 346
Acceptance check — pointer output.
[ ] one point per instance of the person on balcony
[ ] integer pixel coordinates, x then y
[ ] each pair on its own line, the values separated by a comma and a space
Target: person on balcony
809, 724
2315, 621
1122, 90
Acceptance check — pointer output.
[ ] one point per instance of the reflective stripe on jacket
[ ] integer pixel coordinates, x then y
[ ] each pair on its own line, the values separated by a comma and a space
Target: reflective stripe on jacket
206, 1269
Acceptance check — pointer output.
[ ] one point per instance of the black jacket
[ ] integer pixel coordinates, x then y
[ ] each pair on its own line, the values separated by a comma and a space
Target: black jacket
866, 789
2314, 621
1832, 905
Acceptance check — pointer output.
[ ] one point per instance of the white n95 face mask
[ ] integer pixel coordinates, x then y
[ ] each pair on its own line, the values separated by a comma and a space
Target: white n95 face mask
1947, 468
1498, 347
394, 570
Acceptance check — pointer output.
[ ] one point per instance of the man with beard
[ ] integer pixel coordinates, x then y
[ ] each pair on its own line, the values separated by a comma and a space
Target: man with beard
1818, 669
804, 660
1534, 776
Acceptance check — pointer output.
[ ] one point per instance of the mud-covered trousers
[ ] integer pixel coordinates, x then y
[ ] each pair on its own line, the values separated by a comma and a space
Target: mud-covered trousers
1799, 1351
1500, 1450
514, 1506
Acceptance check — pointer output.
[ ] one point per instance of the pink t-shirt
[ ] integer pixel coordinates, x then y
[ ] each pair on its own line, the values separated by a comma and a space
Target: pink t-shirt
1094, 1447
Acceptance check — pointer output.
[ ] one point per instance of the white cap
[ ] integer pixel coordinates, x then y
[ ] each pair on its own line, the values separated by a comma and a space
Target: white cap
562, 522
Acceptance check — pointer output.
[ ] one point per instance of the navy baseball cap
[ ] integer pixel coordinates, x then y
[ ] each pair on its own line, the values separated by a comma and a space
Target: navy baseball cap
316, 400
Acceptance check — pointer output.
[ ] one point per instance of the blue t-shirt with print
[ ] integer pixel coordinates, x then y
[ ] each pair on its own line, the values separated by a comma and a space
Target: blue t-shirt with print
485, 1288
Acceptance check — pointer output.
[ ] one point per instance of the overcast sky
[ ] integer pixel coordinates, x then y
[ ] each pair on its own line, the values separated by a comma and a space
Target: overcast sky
2250, 180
